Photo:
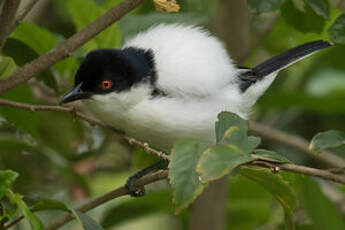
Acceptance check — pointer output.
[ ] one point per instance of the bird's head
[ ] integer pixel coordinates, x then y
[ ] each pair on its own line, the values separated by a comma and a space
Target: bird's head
109, 71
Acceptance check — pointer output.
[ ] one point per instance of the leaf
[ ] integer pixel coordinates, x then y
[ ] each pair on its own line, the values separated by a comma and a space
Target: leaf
320, 7
23, 54
83, 13
168, 6
267, 155
225, 122
278, 186
263, 6
7, 65
183, 177
17, 199
337, 30
328, 139
219, 160
23, 120
86, 222
37, 38
304, 21
7, 177
232, 130
153, 202
46, 204
319, 208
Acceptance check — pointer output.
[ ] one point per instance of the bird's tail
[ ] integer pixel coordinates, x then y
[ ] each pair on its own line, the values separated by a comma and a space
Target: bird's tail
255, 81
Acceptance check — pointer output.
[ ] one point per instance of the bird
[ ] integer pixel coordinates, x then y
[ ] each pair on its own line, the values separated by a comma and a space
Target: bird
170, 82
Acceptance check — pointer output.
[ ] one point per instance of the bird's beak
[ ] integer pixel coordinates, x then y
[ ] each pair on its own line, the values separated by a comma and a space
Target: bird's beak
75, 94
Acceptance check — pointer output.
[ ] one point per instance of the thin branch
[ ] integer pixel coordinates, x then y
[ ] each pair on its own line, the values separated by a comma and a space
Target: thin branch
7, 17
22, 13
29, 70
298, 143
89, 120
160, 175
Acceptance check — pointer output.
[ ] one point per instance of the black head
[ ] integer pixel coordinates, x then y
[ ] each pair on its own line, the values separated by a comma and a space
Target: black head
108, 70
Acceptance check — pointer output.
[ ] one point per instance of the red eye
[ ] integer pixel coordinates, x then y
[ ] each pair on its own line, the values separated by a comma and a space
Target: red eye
106, 84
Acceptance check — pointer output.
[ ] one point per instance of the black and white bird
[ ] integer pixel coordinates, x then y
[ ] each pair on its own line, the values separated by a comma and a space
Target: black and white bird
171, 81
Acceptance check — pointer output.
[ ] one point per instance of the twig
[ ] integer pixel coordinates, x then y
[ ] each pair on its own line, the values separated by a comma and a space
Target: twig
82, 116
29, 70
22, 13
7, 17
297, 143
160, 175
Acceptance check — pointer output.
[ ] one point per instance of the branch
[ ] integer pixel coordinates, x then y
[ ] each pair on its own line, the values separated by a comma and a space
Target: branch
160, 175
29, 70
298, 143
7, 17
89, 120
21, 15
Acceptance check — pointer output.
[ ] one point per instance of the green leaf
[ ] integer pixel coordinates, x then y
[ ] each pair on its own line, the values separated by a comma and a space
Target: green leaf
225, 122
304, 21
263, 6
153, 202
321, 7
232, 130
37, 38
319, 208
183, 177
17, 199
267, 155
86, 222
278, 186
219, 160
83, 13
328, 139
23, 120
7, 177
337, 30
23, 54
46, 204
7, 65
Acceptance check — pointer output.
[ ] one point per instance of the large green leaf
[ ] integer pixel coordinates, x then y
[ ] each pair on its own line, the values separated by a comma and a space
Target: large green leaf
23, 54
17, 199
280, 187
263, 6
320, 209
337, 30
219, 160
183, 177
47, 204
23, 120
267, 155
7, 65
328, 139
85, 12
86, 222
304, 21
7, 177
37, 38
228, 122
153, 202
321, 7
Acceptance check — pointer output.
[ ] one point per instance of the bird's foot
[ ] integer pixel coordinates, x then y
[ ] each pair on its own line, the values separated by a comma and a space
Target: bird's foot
132, 190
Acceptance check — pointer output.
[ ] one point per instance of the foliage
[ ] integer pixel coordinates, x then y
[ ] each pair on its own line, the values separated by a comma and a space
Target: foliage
57, 160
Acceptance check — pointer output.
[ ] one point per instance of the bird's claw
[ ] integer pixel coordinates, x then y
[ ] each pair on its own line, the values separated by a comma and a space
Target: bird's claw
132, 190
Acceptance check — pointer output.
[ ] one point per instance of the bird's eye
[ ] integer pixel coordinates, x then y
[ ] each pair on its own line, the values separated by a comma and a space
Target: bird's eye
106, 84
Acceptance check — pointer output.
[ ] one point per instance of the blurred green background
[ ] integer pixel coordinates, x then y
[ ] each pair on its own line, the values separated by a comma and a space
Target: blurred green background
60, 157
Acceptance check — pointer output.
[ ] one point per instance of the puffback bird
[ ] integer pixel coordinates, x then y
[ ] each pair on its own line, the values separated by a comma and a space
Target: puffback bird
170, 82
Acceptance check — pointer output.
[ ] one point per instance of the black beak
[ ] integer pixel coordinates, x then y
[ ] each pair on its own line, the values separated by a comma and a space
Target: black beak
75, 94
